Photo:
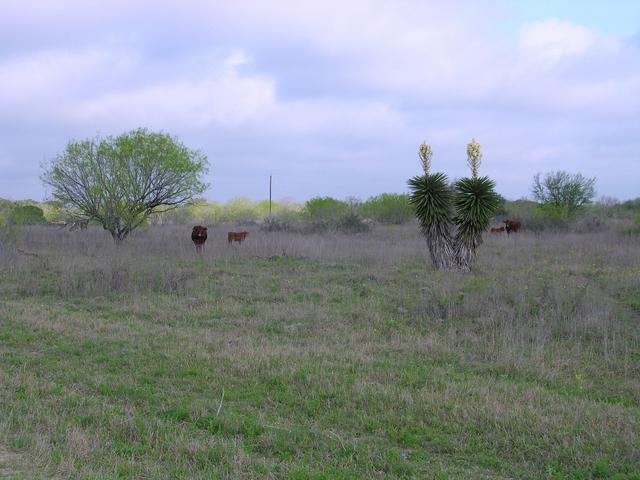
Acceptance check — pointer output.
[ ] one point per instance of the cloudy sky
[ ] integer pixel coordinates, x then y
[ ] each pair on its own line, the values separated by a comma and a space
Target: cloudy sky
330, 97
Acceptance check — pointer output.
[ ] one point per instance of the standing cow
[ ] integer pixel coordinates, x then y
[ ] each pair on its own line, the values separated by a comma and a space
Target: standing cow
236, 236
199, 236
512, 226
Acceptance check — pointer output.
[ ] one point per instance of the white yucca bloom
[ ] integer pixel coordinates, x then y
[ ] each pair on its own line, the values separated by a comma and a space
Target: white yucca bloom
425, 154
474, 155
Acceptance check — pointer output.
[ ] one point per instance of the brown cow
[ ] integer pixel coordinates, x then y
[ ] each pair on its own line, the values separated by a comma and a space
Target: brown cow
497, 230
512, 225
236, 236
199, 236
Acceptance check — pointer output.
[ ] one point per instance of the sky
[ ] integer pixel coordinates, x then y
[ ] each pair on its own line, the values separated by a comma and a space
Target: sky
329, 97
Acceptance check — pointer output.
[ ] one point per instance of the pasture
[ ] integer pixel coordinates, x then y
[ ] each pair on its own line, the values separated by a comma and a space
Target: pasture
317, 357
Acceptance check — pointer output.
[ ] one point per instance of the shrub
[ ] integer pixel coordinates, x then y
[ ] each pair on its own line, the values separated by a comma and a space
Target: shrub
502, 206
390, 208
53, 211
202, 211
550, 217
635, 229
325, 210
240, 210
633, 205
534, 217
589, 224
566, 192
6, 207
274, 224
27, 215
352, 223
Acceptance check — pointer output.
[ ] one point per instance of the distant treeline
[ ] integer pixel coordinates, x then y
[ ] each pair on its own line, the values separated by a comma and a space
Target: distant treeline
350, 215
390, 208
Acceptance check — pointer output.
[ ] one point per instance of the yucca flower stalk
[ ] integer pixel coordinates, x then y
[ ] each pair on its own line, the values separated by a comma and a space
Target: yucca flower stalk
425, 153
467, 206
474, 156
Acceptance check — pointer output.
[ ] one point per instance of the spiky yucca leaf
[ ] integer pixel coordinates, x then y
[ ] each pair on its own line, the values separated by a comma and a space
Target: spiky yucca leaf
475, 201
431, 197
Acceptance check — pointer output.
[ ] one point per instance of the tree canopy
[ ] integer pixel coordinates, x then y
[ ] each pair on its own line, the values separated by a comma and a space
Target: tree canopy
119, 181
563, 191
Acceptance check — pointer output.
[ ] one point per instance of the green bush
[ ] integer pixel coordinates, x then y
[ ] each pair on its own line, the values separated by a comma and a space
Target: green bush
534, 217
568, 193
53, 211
631, 206
551, 216
390, 208
502, 206
27, 215
6, 207
325, 209
538, 218
203, 211
352, 223
241, 210
635, 229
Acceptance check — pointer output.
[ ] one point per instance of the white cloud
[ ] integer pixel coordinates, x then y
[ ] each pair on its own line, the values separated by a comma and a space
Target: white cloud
220, 97
551, 41
69, 87
41, 86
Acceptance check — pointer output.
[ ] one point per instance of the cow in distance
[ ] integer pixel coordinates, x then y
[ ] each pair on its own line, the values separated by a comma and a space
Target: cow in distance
512, 226
236, 237
199, 236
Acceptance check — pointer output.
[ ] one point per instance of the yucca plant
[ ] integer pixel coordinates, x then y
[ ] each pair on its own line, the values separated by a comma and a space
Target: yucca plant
431, 197
464, 209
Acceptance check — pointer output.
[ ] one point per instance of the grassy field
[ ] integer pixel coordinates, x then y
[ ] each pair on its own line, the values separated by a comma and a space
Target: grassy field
317, 357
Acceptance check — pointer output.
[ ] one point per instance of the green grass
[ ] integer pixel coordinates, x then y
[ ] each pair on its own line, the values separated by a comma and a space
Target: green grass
328, 364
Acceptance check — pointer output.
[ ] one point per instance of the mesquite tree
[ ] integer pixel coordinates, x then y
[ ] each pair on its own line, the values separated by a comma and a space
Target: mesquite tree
453, 217
119, 181
565, 192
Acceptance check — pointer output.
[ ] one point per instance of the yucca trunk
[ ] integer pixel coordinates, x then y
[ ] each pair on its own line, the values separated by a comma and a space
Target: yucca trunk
440, 247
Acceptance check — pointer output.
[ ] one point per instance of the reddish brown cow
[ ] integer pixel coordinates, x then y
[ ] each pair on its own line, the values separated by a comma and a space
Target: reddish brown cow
236, 236
199, 236
497, 230
512, 226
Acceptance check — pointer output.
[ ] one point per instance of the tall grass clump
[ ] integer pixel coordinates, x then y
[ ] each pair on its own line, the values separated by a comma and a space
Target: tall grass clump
452, 218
